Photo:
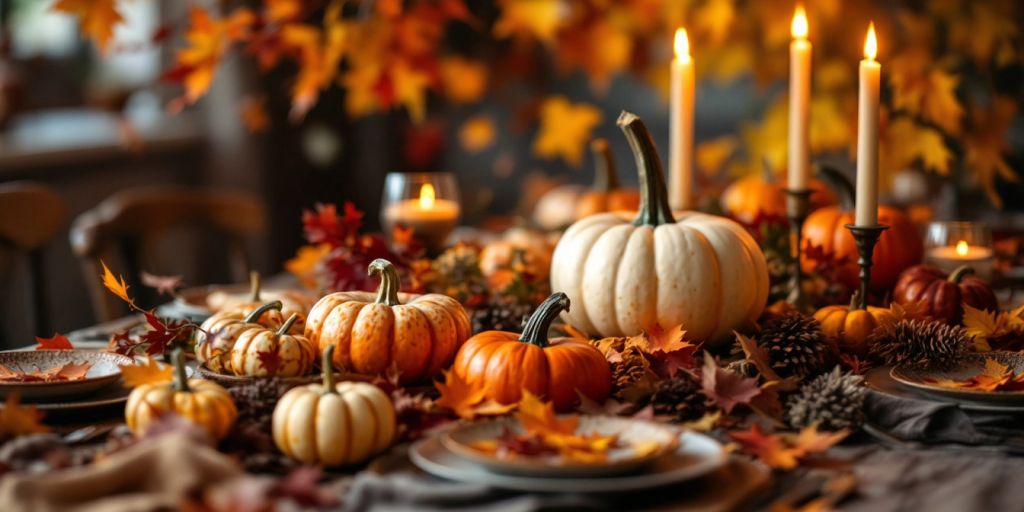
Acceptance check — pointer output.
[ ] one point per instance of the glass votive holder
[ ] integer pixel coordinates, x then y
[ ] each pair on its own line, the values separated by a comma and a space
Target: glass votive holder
953, 244
426, 202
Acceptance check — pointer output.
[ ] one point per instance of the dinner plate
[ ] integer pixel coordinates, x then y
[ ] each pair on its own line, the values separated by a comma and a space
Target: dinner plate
621, 459
879, 380
696, 456
103, 371
113, 394
969, 366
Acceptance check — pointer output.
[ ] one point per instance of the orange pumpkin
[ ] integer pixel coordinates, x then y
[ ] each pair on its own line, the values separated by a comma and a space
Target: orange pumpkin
532, 247
850, 326
746, 197
503, 364
289, 305
419, 334
898, 248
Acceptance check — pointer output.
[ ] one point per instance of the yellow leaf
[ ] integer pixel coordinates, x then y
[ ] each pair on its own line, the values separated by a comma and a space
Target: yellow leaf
538, 19
96, 18
304, 264
465, 80
538, 417
713, 19
602, 48
982, 324
565, 129
906, 142
705, 423
477, 133
411, 89
17, 420
115, 285
207, 40
152, 372
712, 155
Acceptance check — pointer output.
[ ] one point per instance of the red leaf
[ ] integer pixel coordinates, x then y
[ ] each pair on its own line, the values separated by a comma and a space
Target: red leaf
725, 387
57, 342
163, 332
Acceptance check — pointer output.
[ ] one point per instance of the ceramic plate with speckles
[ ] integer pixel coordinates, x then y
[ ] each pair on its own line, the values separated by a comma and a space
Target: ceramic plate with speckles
104, 370
922, 379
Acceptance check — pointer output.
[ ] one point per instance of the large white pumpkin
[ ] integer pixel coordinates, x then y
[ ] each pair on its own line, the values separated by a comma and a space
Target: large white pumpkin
625, 274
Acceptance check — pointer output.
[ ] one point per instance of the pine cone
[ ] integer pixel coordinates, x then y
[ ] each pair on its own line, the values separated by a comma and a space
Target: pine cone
743, 367
500, 314
919, 342
833, 401
679, 397
458, 273
795, 345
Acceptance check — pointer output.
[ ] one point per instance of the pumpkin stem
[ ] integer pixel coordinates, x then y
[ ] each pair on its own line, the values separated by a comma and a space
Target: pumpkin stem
839, 183
287, 324
654, 208
180, 377
855, 300
387, 292
536, 330
254, 286
960, 273
606, 176
258, 312
327, 370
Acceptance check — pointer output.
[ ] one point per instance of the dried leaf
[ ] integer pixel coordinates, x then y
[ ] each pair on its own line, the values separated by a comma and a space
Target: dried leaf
539, 19
466, 401
151, 372
17, 420
477, 133
57, 342
725, 387
96, 18
115, 285
995, 376
565, 129
785, 451
538, 417
705, 423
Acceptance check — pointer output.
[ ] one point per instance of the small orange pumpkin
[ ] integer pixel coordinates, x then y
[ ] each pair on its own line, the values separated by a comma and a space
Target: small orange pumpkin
289, 305
850, 326
504, 364
746, 197
532, 247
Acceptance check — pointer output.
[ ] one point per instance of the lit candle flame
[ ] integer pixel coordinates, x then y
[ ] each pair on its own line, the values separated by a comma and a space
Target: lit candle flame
871, 43
961, 247
799, 26
427, 196
682, 44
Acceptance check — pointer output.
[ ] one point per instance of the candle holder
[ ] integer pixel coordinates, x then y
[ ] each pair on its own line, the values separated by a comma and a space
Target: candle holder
798, 206
426, 202
952, 244
866, 237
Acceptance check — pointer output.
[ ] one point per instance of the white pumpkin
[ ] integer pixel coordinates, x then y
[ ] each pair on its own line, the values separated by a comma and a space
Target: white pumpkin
333, 424
625, 274
294, 354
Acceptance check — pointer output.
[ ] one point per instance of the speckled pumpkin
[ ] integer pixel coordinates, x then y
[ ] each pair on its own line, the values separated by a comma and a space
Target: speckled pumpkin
217, 335
289, 305
292, 354
419, 334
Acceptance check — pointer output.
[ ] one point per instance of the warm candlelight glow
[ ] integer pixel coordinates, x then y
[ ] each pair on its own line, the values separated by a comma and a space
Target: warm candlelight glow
682, 44
871, 43
962, 248
427, 196
799, 27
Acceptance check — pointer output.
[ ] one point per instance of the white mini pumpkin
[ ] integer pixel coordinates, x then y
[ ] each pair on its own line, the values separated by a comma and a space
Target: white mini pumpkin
333, 424
625, 274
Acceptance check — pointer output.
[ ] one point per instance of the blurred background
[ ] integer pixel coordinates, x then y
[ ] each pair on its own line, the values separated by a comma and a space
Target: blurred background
296, 102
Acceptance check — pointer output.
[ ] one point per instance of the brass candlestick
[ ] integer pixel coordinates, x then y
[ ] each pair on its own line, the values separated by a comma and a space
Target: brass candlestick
798, 206
866, 237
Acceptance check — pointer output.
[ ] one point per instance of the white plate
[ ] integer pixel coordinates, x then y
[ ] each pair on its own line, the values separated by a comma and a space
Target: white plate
879, 380
696, 456
969, 366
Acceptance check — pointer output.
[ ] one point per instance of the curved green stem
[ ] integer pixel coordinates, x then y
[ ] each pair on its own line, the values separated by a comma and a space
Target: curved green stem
387, 292
288, 324
654, 208
960, 273
180, 377
606, 176
327, 370
536, 330
840, 184
254, 286
254, 317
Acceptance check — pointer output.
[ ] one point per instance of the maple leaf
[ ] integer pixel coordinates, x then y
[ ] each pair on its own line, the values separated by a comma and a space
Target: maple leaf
565, 129
73, 371
983, 324
116, 285
163, 332
17, 420
164, 285
656, 338
771, 449
601, 47
207, 40
464, 80
705, 423
810, 440
906, 142
538, 19
305, 263
714, 18
96, 18
725, 387
270, 360
57, 342
323, 226
151, 372
538, 417
477, 133
464, 400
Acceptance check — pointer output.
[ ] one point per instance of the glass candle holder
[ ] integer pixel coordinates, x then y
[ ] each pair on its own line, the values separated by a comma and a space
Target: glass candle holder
426, 202
952, 244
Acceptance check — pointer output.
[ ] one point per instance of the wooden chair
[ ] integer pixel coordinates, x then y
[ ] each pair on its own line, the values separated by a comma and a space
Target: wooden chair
31, 214
129, 220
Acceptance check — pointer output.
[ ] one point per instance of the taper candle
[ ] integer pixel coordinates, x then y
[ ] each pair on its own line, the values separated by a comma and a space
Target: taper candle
680, 179
867, 133
799, 101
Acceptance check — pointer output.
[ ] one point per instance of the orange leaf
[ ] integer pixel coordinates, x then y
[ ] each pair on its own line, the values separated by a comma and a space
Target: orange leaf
152, 372
538, 19
458, 395
538, 417
477, 133
207, 40
772, 449
304, 264
57, 342
116, 285
96, 18
655, 339
16, 420
72, 371
810, 440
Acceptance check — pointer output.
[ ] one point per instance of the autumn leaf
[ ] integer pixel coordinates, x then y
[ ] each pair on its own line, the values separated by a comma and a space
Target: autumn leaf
725, 387
986, 144
162, 333
982, 325
65, 372
602, 48
464, 80
17, 420
565, 129
538, 417
164, 285
115, 285
655, 339
539, 19
304, 264
994, 376
207, 39
57, 342
771, 449
152, 372
811, 441
96, 18
906, 142
705, 423
464, 400
477, 133
713, 19
73, 371
282, 10
712, 155
930, 93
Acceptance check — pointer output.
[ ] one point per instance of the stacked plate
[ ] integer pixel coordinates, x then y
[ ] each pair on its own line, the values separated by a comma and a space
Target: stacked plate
922, 383
100, 387
680, 456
